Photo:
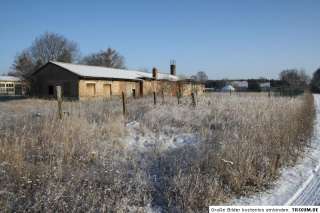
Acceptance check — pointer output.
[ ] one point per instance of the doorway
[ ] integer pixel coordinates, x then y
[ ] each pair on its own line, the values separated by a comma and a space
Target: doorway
134, 93
91, 89
107, 90
50, 90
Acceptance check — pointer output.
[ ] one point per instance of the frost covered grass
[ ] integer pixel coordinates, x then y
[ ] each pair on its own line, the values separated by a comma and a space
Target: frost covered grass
297, 185
167, 157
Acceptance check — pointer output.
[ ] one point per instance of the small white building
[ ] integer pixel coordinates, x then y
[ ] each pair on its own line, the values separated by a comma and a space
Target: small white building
228, 88
240, 85
11, 86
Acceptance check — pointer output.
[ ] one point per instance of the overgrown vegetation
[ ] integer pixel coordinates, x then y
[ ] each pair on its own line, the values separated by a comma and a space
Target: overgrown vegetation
89, 160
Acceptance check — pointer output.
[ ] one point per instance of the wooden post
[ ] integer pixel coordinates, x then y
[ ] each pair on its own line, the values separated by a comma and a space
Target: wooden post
276, 164
154, 98
124, 109
193, 99
162, 94
79, 109
178, 97
59, 99
269, 93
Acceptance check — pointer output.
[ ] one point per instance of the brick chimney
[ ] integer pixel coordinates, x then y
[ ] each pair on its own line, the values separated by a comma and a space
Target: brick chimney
154, 73
173, 67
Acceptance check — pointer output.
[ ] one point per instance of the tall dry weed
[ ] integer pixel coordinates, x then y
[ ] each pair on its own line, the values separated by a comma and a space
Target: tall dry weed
84, 162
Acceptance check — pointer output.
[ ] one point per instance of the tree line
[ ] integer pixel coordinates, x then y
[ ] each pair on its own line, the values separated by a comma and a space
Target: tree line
298, 79
54, 47
290, 78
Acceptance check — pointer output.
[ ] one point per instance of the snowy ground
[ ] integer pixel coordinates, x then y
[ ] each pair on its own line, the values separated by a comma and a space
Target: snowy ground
298, 185
147, 139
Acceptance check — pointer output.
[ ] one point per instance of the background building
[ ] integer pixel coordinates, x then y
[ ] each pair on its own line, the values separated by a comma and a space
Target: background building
12, 86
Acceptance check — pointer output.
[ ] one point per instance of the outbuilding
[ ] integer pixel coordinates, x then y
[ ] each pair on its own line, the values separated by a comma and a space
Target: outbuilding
84, 82
228, 88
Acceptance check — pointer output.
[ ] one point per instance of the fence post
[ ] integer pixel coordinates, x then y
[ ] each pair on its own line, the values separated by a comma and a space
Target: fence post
124, 109
154, 98
59, 99
193, 99
162, 94
79, 109
178, 97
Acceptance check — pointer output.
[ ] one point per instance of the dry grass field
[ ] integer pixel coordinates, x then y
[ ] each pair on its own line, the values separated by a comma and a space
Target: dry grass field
164, 157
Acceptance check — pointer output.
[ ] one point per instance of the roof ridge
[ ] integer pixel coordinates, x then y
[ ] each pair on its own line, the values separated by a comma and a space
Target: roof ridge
58, 62
109, 72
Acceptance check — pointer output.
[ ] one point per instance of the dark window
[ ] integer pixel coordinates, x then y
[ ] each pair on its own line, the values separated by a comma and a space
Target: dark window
51, 90
134, 93
18, 89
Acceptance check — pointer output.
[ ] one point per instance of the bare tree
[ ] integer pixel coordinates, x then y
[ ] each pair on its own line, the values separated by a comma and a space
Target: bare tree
107, 58
52, 46
201, 76
23, 64
193, 77
295, 78
46, 47
315, 82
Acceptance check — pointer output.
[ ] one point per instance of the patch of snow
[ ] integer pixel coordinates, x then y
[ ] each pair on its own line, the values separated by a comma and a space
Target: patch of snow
133, 124
143, 139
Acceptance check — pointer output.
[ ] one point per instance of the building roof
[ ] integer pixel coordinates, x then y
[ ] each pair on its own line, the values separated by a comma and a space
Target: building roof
106, 72
9, 78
